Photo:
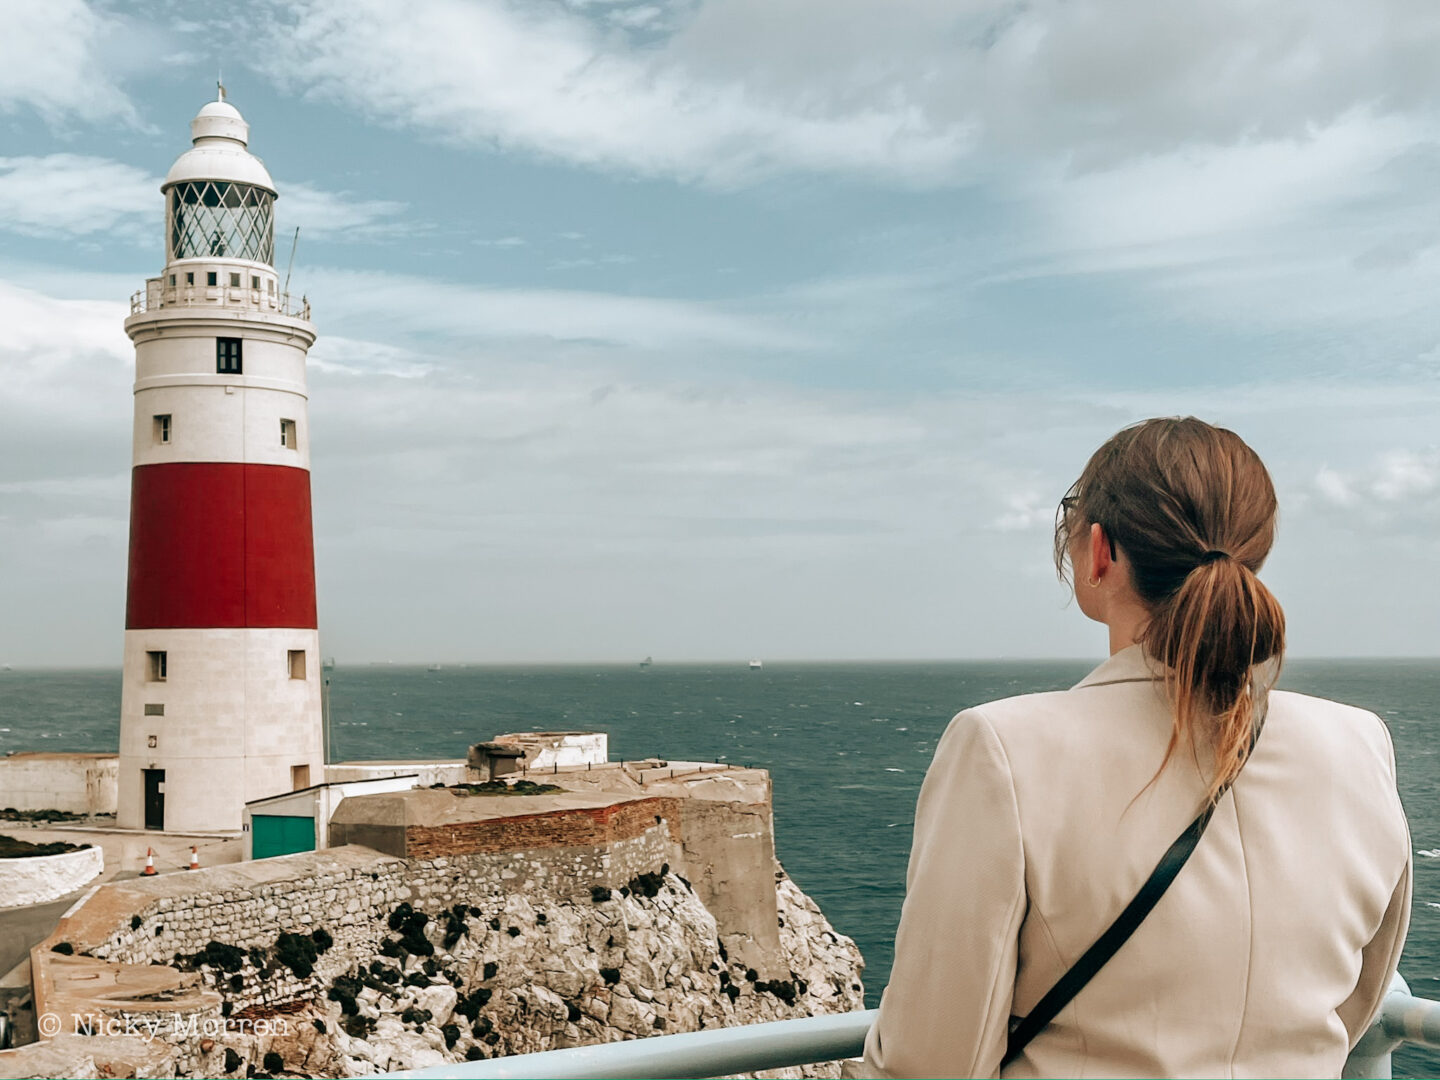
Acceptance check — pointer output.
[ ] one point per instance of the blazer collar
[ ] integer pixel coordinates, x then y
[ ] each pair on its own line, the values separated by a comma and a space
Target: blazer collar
1128, 665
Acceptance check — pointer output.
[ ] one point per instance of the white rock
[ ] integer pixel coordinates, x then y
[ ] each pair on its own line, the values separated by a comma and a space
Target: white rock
440, 1000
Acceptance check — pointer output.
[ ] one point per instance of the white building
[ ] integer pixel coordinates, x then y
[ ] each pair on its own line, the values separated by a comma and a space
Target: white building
221, 700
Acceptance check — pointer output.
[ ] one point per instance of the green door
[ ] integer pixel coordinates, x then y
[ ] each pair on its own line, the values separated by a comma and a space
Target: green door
271, 835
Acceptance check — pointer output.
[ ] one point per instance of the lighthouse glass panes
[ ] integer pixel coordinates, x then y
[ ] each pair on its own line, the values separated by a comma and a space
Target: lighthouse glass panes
221, 219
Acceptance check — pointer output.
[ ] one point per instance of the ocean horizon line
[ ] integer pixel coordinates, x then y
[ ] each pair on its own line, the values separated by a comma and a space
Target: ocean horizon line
440, 666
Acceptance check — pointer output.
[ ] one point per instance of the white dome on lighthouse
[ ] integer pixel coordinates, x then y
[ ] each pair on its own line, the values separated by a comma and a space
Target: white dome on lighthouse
219, 198
220, 135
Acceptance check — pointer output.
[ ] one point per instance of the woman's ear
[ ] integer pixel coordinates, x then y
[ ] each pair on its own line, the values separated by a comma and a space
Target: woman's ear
1100, 560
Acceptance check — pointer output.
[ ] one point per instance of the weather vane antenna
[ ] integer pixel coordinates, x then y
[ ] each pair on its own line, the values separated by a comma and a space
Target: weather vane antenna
220, 83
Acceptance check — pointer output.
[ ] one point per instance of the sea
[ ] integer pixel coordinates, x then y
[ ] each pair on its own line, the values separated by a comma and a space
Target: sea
846, 744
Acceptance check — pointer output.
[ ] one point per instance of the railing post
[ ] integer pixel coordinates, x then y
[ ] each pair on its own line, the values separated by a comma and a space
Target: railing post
1370, 1060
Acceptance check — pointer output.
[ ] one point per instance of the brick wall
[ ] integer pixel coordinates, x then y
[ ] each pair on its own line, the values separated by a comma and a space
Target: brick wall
598, 826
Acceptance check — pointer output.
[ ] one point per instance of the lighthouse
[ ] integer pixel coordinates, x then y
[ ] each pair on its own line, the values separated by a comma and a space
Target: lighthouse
221, 696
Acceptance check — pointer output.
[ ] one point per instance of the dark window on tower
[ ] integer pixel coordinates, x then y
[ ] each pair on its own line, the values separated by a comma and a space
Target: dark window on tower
162, 428
227, 356
254, 281
234, 281
212, 278
190, 277
156, 662
287, 434
172, 280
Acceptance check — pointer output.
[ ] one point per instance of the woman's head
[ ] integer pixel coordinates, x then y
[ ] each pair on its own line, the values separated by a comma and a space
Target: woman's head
1188, 512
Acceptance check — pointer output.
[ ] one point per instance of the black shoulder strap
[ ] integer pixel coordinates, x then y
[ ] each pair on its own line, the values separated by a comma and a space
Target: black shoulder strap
1074, 980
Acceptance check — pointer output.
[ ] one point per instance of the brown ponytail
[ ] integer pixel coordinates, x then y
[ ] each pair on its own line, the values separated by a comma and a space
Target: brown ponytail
1193, 509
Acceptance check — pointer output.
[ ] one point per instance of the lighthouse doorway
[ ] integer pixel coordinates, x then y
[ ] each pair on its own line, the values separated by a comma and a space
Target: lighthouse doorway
154, 798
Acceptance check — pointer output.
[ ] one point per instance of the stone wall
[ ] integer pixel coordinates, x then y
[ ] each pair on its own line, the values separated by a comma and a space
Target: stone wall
349, 900
39, 879
420, 962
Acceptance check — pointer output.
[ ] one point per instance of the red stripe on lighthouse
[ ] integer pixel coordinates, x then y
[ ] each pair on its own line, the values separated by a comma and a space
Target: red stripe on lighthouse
220, 545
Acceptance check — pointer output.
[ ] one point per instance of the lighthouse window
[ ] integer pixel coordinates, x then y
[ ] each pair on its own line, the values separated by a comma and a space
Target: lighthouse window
234, 281
162, 428
297, 663
287, 434
221, 219
172, 281
212, 278
227, 356
154, 710
156, 662
254, 281
190, 277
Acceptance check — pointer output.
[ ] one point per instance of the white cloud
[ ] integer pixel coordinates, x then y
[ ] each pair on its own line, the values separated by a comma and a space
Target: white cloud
339, 215
77, 195
382, 305
553, 82
907, 90
1024, 511
1399, 484
1404, 474
1334, 488
93, 197
1210, 191
55, 59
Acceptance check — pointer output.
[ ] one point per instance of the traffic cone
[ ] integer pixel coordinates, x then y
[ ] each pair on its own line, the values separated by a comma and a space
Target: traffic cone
194, 858
149, 870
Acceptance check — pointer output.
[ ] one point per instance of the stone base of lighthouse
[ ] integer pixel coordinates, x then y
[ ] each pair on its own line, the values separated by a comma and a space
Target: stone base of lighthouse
230, 718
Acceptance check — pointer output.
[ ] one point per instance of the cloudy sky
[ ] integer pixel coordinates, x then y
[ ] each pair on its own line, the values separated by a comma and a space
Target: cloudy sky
712, 329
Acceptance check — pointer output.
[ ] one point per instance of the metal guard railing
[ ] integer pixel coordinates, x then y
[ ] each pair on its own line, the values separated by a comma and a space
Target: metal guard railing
725, 1051
195, 296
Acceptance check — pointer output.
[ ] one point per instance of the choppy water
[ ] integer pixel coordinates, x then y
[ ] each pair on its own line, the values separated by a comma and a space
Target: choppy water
846, 744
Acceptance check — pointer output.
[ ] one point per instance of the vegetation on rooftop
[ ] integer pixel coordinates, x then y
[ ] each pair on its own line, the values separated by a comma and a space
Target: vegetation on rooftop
501, 787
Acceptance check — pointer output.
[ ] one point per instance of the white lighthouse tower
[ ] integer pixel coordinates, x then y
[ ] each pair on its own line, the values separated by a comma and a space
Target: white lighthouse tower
221, 699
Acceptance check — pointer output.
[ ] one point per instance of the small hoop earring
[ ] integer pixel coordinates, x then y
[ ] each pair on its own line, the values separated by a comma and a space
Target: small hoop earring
1093, 582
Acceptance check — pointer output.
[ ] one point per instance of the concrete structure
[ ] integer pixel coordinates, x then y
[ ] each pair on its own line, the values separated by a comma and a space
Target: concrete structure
426, 773
494, 760
546, 749
74, 783
38, 879
300, 820
717, 821
221, 700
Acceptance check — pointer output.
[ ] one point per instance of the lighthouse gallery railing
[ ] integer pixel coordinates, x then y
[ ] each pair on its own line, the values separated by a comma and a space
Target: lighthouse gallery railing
156, 295
724, 1051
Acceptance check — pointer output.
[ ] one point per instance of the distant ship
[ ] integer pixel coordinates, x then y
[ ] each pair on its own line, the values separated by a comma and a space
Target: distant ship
327, 664
646, 663
756, 665
434, 667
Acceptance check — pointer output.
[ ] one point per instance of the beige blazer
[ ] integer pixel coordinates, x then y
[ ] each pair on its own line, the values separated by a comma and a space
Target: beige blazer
1267, 957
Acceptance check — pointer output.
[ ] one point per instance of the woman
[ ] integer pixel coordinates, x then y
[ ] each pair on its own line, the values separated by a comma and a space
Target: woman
1042, 816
